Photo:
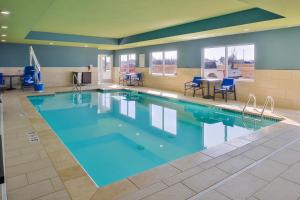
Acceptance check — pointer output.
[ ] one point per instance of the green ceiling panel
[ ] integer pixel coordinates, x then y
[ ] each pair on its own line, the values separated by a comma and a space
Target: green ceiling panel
228, 20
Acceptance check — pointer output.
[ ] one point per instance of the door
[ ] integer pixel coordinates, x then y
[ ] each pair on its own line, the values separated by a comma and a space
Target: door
104, 68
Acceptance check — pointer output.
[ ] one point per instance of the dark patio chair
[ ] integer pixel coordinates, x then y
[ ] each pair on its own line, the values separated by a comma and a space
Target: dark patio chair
194, 85
227, 87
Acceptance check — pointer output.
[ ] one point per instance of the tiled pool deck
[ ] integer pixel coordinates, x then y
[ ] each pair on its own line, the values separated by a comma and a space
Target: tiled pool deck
260, 166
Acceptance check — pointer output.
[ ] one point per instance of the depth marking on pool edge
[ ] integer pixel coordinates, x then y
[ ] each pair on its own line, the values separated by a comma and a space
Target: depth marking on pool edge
241, 171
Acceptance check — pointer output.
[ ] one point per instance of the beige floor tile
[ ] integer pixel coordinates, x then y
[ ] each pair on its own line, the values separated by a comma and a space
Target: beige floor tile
238, 142
140, 194
218, 150
31, 191
42, 174
12, 153
293, 173
267, 170
212, 195
190, 161
62, 159
235, 164
115, 191
60, 195
213, 162
258, 152
286, 156
154, 175
241, 187
16, 182
80, 188
182, 176
70, 173
175, 192
27, 167
17, 160
57, 183
205, 179
279, 189
295, 146
241, 150
277, 142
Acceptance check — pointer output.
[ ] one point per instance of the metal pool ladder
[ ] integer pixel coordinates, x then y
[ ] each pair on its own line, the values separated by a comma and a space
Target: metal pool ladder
76, 84
251, 97
269, 100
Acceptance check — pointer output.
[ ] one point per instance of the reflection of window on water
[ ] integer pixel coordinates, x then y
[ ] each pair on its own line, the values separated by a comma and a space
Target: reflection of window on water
104, 102
127, 108
219, 133
164, 118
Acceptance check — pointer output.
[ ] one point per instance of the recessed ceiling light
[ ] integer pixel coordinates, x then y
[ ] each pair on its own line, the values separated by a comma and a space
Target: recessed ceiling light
51, 43
3, 35
5, 12
4, 27
3, 40
246, 29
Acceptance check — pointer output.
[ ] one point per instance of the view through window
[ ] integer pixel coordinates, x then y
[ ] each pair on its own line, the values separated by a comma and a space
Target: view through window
236, 61
127, 63
163, 63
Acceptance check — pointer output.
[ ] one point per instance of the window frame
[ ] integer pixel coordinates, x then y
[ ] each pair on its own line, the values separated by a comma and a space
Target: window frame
127, 61
163, 63
226, 57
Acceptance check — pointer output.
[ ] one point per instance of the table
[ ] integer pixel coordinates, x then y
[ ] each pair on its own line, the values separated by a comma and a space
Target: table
11, 76
130, 77
208, 81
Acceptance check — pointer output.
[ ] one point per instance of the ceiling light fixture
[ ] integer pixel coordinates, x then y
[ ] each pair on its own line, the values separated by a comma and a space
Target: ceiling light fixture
3, 40
4, 27
51, 43
3, 35
5, 12
246, 29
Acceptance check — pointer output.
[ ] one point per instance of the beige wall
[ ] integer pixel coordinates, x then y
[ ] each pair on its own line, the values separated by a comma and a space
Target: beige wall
52, 76
282, 85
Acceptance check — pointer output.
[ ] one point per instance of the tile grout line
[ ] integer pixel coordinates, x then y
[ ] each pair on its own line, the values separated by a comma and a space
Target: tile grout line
241, 171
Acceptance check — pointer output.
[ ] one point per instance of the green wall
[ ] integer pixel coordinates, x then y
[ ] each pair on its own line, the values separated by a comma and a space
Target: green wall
274, 49
17, 55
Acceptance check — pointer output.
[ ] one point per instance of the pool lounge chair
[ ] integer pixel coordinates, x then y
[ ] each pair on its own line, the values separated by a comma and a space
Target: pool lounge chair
194, 85
227, 86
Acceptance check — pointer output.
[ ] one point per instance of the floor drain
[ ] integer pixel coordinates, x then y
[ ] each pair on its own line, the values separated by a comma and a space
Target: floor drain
33, 137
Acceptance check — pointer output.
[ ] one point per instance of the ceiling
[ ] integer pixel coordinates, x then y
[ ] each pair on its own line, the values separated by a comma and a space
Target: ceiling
104, 23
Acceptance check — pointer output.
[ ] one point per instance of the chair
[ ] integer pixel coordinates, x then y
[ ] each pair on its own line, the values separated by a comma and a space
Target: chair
123, 78
29, 77
227, 86
2, 85
138, 79
195, 84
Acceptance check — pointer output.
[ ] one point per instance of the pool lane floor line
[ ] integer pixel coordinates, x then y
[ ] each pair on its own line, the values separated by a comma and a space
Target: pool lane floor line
198, 195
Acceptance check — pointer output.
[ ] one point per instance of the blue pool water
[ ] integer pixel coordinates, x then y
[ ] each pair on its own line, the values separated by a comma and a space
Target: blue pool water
118, 134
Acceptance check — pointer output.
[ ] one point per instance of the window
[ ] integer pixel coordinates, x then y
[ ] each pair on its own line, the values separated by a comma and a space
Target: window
127, 63
163, 63
229, 61
241, 61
